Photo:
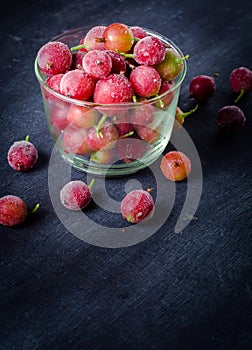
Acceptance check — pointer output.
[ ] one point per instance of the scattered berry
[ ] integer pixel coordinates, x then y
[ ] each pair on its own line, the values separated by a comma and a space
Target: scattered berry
22, 155
13, 210
76, 195
202, 88
180, 117
241, 81
175, 166
54, 58
230, 118
137, 205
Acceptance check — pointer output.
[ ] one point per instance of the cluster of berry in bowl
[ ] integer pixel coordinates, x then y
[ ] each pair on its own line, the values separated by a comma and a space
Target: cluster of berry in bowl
110, 94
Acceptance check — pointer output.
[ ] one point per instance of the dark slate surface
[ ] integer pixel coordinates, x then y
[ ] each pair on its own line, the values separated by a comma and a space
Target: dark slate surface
190, 290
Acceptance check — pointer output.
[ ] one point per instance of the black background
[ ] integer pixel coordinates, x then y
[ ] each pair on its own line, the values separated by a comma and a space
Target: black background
190, 290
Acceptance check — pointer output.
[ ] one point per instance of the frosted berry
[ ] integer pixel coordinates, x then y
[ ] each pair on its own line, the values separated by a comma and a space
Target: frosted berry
137, 205
13, 210
77, 84
145, 81
113, 89
53, 82
22, 155
97, 64
76, 195
149, 51
54, 57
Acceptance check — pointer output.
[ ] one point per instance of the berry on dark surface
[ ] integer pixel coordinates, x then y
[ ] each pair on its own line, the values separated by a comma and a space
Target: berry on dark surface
137, 205
22, 155
13, 210
230, 118
76, 195
241, 81
202, 88
175, 166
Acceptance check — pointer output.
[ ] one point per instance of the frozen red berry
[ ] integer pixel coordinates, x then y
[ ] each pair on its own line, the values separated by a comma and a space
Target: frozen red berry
76, 195
103, 136
54, 57
77, 84
241, 81
138, 32
137, 205
149, 51
54, 82
230, 118
97, 63
145, 81
13, 210
175, 166
113, 89
22, 155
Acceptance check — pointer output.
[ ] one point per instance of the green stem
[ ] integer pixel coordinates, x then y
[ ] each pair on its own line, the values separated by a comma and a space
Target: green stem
136, 39
160, 102
239, 96
185, 114
102, 120
35, 209
27, 138
130, 133
91, 183
130, 55
134, 99
78, 47
182, 58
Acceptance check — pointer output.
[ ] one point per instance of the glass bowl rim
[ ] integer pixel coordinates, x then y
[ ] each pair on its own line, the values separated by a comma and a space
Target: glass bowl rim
112, 105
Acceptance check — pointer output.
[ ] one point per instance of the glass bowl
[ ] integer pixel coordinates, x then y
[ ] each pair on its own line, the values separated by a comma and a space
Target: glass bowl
144, 128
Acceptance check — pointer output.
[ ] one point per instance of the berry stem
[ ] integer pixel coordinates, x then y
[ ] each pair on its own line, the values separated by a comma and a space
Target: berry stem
130, 133
91, 183
35, 209
136, 39
181, 59
134, 99
27, 138
185, 114
98, 128
239, 96
160, 102
130, 55
78, 47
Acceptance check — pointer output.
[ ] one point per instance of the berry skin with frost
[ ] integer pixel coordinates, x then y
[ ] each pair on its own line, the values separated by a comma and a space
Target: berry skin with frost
76, 195
13, 210
175, 166
241, 81
90, 41
53, 82
137, 205
113, 89
97, 63
138, 32
230, 118
149, 51
22, 155
54, 57
145, 81
77, 84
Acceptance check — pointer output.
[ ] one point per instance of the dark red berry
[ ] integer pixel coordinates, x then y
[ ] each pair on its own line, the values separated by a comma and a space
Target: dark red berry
137, 205
202, 88
241, 81
230, 118
22, 155
76, 195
